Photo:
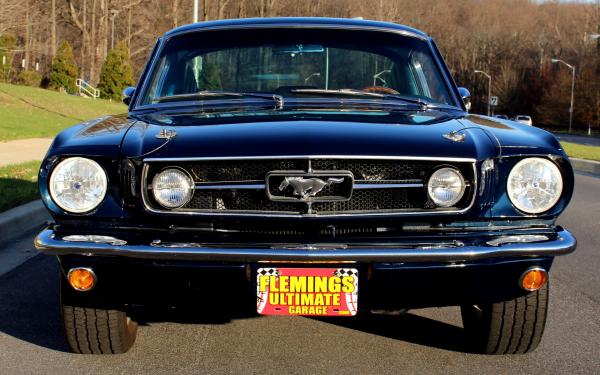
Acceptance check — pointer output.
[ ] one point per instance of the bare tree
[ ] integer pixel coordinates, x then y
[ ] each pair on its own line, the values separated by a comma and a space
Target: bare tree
511, 39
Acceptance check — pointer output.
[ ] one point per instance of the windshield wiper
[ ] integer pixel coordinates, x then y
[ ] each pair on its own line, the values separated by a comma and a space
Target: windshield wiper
359, 93
201, 95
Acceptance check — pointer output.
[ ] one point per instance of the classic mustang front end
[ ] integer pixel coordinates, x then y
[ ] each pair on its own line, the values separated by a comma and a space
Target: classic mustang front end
304, 167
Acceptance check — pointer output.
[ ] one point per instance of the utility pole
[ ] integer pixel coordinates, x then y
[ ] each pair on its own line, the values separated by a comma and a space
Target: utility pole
489, 98
195, 15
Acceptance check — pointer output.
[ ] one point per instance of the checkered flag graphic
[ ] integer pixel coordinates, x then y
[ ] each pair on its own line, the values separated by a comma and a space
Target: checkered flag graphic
269, 271
345, 272
351, 298
261, 300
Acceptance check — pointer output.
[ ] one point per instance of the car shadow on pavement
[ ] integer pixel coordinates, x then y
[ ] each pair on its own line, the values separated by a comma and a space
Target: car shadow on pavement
29, 311
29, 307
408, 327
29, 304
193, 314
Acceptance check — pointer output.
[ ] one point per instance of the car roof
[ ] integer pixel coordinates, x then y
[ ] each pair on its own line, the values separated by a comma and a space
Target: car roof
349, 23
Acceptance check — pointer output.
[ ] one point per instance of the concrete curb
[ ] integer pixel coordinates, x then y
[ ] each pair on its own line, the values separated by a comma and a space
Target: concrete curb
22, 219
586, 166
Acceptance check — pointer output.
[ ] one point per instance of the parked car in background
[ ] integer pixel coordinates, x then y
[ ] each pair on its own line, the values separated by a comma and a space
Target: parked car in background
303, 166
523, 119
503, 117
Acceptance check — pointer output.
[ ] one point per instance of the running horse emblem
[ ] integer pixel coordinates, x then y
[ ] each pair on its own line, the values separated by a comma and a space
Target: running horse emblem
308, 187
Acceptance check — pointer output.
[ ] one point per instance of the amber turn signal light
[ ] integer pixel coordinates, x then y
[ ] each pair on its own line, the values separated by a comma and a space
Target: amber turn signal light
533, 279
82, 279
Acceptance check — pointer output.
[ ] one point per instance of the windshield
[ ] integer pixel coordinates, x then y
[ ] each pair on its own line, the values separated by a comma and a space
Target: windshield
294, 63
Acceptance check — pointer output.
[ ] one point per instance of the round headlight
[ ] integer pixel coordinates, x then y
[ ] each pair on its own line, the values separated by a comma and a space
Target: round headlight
534, 185
78, 185
172, 188
446, 187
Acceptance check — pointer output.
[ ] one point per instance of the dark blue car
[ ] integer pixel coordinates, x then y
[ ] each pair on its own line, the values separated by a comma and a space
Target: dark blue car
303, 166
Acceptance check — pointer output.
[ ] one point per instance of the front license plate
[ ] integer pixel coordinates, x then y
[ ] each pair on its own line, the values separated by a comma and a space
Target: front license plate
307, 291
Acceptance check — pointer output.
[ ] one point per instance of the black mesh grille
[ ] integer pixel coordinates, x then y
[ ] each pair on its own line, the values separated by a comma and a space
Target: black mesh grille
377, 170
375, 198
239, 170
239, 200
370, 170
362, 200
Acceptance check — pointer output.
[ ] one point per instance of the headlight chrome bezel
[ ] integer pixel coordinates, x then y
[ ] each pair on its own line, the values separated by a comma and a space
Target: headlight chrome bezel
190, 183
450, 203
60, 202
553, 167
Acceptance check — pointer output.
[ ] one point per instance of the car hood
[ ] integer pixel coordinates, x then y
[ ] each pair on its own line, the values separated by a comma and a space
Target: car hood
304, 138
483, 137
514, 138
98, 137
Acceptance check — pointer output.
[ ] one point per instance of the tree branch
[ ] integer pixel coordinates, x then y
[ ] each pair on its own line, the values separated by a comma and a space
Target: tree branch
74, 18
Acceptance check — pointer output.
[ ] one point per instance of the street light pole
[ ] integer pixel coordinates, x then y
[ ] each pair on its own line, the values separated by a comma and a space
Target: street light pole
555, 61
489, 98
195, 16
113, 14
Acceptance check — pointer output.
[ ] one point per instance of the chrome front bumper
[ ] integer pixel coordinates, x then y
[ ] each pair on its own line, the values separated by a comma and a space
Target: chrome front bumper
562, 242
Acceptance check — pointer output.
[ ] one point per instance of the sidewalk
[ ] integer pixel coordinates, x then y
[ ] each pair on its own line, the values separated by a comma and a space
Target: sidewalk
22, 150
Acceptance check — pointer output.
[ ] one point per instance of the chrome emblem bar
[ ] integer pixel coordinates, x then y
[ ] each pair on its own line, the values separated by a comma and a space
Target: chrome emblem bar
309, 187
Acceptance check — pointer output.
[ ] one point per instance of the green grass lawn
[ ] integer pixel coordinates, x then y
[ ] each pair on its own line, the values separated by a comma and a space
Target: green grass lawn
18, 184
581, 151
27, 112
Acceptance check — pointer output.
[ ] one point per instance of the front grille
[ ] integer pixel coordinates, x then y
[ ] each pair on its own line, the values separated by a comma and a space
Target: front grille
377, 170
380, 186
239, 170
248, 170
239, 200
376, 200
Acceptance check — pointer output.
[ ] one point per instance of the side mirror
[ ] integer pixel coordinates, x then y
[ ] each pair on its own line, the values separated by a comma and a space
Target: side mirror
466, 97
127, 94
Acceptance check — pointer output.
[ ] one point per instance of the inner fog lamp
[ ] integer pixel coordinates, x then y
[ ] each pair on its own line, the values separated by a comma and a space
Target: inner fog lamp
446, 187
534, 185
78, 185
172, 188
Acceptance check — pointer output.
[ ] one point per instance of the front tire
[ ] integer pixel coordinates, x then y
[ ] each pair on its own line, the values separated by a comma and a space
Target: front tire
510, 327
92, 330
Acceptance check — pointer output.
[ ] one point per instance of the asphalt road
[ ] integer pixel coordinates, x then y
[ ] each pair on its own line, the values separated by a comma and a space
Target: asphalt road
423, 341
579, 139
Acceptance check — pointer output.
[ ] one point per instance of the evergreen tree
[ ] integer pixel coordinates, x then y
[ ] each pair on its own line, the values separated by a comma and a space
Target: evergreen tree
116, 73
64, 70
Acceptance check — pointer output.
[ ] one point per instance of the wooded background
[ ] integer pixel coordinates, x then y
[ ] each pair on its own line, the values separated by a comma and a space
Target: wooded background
513, 40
